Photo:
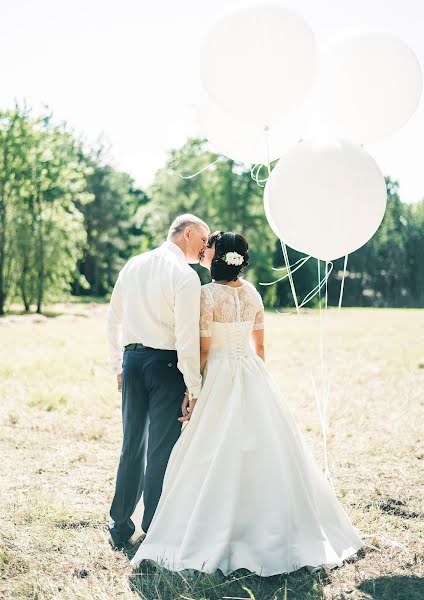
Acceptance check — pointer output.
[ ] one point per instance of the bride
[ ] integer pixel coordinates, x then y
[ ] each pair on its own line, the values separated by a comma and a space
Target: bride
241, 489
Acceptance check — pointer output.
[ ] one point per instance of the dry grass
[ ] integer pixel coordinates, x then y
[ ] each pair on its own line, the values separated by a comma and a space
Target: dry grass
60, 434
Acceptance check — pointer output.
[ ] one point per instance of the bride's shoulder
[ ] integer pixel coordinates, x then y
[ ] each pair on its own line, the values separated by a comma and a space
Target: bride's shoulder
207, 289
250, 286
254, 292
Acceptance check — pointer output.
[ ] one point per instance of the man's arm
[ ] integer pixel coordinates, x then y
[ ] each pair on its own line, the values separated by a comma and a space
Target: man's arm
187, 313
114, 330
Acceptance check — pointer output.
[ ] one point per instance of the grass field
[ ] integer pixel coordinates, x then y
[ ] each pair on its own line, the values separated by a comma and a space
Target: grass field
60, 434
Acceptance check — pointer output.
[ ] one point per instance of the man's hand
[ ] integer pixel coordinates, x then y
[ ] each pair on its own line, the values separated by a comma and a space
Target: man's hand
185, 404
119, 381
187, 408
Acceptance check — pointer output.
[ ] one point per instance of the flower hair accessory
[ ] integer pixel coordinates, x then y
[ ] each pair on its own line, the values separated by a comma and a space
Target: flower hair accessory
233, 258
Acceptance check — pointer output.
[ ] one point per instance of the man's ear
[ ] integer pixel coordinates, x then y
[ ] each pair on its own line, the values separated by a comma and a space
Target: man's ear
187, 233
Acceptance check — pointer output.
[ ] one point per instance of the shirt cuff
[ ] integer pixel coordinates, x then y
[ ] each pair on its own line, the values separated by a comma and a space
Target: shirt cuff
194, 392
116, 367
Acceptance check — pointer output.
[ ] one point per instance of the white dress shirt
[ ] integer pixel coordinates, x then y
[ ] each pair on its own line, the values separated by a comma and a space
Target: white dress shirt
156, 302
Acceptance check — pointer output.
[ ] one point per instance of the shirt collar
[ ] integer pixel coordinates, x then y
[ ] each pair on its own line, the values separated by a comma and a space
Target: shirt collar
171, 247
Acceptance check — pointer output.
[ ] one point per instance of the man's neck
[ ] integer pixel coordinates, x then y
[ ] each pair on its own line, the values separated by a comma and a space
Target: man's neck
179, 244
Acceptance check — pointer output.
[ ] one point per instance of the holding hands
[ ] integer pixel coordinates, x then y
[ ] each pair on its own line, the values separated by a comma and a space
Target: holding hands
187, 407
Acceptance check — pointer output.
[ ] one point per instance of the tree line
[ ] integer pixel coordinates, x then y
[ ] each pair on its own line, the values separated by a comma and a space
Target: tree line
67, 217
69, 221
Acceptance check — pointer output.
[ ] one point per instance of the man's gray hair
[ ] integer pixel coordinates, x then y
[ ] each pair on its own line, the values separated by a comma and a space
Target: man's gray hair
181, 222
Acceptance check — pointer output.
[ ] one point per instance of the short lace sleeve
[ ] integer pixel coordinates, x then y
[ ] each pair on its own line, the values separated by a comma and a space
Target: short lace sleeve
206, 312
259, 317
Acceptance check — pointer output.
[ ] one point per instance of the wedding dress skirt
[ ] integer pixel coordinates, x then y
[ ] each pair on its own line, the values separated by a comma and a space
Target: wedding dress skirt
242, 490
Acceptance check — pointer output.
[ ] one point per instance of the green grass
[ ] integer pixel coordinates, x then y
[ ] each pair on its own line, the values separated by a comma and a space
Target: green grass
158, 583
60, 434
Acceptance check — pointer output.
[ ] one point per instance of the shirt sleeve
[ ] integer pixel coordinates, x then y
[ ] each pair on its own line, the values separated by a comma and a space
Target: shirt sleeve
187, 315
206, 312
259, 317
114, 326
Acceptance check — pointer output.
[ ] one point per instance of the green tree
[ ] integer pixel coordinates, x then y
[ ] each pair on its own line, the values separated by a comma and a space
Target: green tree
13, 140
414, 267
224, 195
113, 235
377, 273
57, 184
42, 232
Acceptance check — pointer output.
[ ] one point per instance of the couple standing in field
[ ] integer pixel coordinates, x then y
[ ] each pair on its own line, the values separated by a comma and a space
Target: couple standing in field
236, 487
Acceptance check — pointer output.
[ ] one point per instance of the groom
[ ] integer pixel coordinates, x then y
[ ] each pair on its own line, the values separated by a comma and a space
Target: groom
154, 316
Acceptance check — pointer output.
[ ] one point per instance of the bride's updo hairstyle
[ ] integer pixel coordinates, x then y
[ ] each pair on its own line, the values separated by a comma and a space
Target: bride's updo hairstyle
225, 265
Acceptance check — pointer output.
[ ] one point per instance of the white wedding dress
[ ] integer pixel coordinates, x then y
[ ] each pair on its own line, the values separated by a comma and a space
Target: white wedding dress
241, 489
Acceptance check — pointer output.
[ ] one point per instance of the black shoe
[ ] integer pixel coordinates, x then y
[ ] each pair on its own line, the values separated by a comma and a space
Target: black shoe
116, 540
117, 544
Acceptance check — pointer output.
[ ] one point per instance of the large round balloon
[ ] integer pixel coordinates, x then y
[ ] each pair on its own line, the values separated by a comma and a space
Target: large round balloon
259, 63
270, 219
268, 212
245, 142
369, 85
326, 198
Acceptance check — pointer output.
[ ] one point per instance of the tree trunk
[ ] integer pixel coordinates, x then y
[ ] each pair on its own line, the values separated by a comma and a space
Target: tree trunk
96, 271
40, 290
40, 253
40, 281
2, 301
23, 285
3, 221
3, 276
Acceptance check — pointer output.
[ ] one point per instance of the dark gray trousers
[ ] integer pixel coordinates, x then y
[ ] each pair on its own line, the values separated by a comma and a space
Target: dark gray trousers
152, 393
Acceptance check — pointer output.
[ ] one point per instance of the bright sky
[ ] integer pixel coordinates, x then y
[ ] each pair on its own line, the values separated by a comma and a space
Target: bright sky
128, 70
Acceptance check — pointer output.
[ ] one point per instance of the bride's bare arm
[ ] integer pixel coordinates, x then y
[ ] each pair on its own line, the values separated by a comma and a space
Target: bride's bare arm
258, 343
205, 344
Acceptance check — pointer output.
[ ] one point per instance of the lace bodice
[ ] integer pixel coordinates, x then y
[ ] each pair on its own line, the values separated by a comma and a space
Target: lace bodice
225, 304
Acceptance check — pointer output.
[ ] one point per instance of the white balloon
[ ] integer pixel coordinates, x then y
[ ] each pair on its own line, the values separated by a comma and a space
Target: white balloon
268, 212
259, 63
270, 219
326, 198
369, 85
244, 142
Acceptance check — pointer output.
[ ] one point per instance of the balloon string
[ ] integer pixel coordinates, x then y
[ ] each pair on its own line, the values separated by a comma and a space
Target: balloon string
255, 172
204, 168
257, 168
289, 273
325, 389
326, 285
300, 262
327, 386
343, 281
320, 318
322, 398
283, 245
311, 294
323, 423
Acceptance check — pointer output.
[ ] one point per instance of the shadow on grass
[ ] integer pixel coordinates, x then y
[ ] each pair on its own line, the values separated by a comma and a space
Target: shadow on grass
394, 588
49, 310
49, 313
89, 299
152, 581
